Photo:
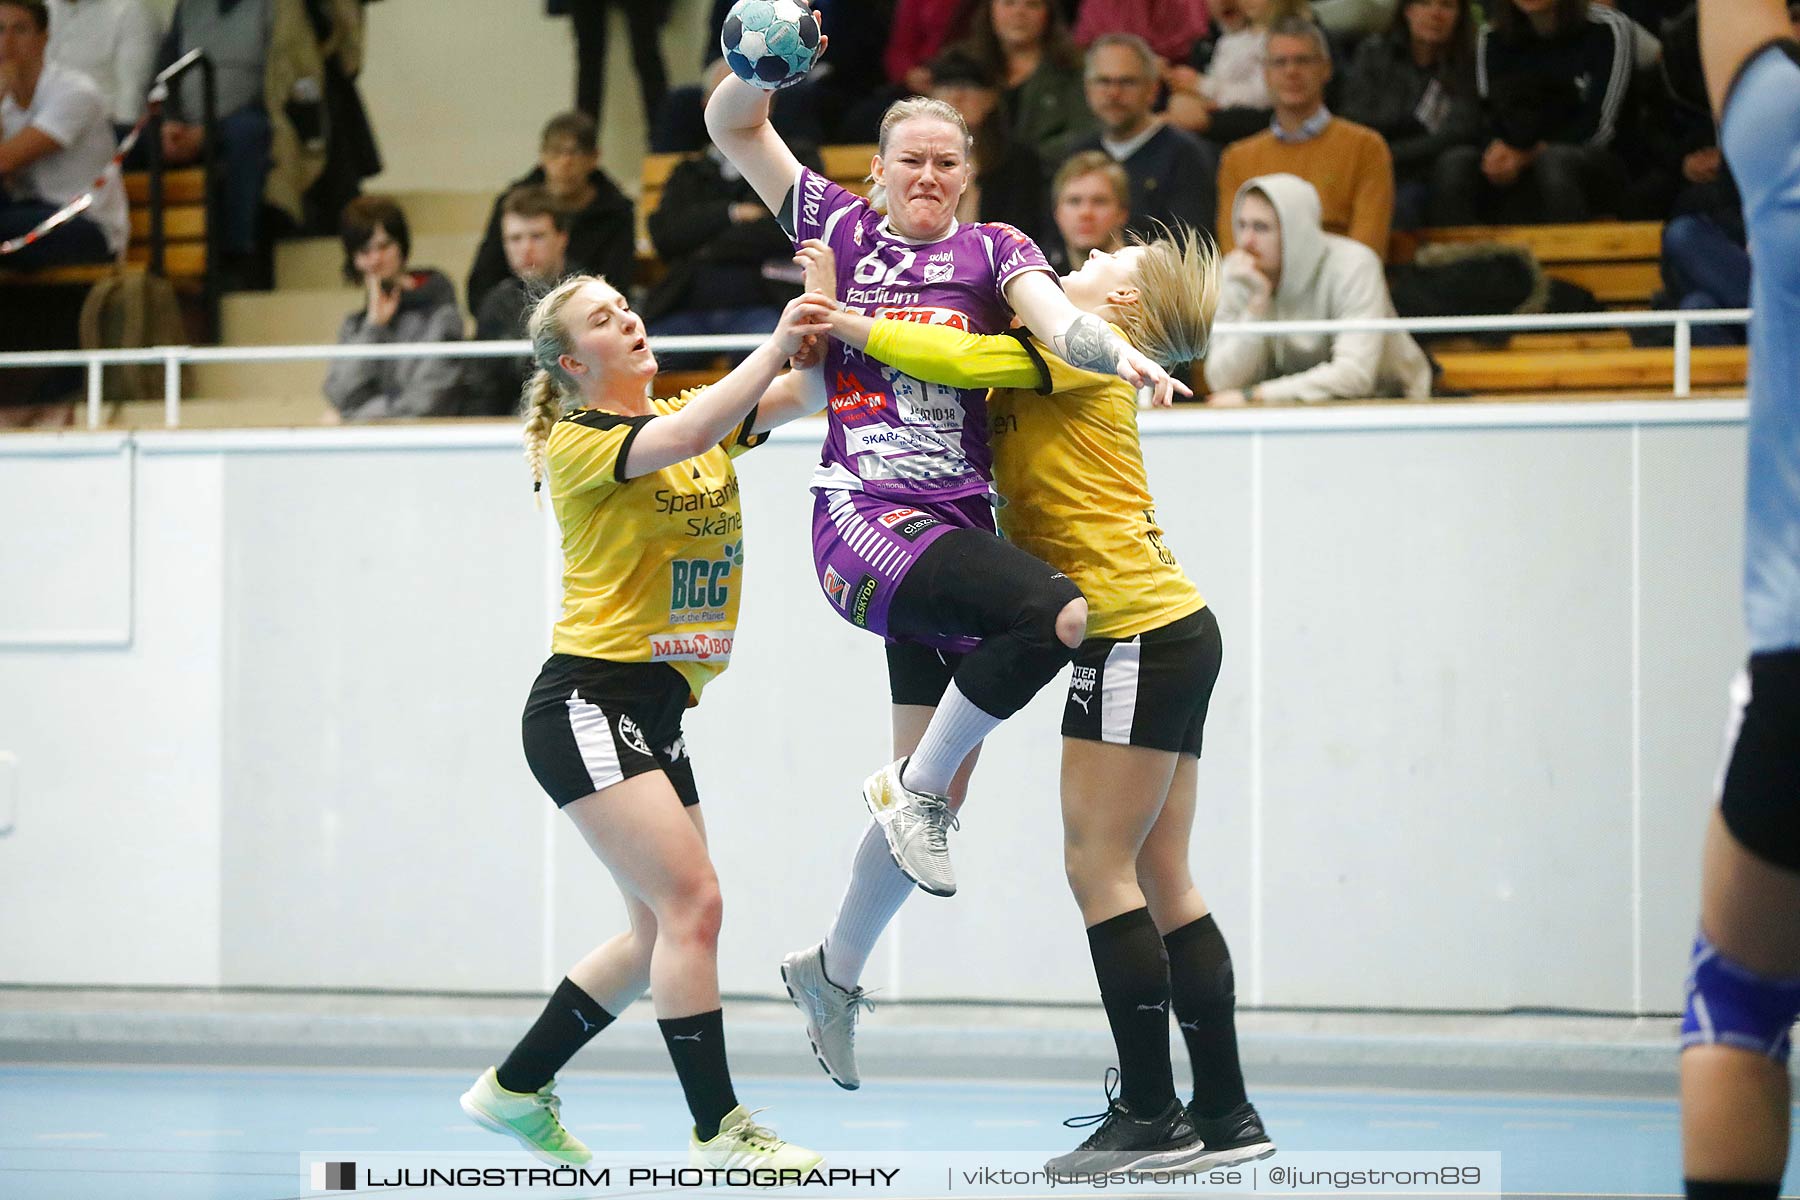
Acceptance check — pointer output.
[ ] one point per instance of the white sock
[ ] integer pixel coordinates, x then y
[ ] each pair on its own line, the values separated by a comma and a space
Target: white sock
877, 890
957, 727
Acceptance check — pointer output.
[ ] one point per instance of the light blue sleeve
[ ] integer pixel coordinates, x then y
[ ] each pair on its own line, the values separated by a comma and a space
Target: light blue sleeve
1761, 131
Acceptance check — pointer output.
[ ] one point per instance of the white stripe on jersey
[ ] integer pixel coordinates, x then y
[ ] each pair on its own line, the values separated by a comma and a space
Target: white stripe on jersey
1119, 692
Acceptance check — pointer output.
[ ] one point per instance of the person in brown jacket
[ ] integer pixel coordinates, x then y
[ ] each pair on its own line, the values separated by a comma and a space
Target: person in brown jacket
1347, 163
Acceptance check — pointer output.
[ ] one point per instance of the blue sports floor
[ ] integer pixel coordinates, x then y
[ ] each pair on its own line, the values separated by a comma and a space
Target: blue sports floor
71, 1133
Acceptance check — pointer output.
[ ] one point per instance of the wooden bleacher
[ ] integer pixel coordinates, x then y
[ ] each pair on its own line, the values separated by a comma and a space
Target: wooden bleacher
1618, 263
184, 235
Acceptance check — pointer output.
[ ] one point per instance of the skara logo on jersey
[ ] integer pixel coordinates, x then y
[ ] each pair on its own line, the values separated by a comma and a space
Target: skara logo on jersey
699, 588
812, 197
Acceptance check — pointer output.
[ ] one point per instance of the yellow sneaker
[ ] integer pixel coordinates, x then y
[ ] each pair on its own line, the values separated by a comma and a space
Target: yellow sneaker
742, 1143
533, 1119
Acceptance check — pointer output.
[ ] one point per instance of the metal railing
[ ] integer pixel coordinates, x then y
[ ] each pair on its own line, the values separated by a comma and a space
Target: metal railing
174, 358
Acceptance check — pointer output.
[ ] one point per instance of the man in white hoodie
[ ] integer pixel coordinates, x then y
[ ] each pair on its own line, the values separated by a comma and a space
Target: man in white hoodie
1287, 268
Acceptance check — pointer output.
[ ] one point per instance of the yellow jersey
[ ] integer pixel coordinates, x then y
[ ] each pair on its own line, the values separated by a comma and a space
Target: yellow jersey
1067, 462
653, 567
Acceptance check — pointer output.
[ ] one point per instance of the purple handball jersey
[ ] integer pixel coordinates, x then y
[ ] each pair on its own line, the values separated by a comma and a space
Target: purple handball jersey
893, 436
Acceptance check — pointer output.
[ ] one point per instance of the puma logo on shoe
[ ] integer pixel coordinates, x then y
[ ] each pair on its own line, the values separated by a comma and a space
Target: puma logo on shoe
684, 1037
1153, 1007
586, 1024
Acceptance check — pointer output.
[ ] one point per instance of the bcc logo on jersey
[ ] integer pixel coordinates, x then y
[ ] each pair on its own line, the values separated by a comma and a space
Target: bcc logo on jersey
699, 588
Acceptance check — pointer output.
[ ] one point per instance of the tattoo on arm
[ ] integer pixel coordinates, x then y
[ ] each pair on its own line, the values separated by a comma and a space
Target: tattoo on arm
1089, 345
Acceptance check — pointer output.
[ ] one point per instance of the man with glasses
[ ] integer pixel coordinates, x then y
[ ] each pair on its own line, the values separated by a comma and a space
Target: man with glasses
1173, 173
1347, 163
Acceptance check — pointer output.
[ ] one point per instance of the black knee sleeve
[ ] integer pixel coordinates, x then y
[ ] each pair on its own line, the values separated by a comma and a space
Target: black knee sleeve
972, 583
1761, 797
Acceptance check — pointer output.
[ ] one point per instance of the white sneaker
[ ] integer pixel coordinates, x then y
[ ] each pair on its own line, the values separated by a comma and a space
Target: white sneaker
534, 1119
830, 1013
742, 1143
915, 825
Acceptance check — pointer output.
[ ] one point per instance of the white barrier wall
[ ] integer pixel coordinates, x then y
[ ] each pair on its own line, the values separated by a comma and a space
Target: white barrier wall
263, 691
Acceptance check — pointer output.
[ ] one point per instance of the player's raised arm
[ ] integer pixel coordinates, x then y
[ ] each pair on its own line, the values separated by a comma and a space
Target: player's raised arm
737, 117
737, 114
1730, 32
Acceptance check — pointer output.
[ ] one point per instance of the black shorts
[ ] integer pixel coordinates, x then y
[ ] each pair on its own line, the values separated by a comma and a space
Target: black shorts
1760, 796
917, 674
1151, 690
591, 723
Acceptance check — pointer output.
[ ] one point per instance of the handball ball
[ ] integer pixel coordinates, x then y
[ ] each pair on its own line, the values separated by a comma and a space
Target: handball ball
770, 44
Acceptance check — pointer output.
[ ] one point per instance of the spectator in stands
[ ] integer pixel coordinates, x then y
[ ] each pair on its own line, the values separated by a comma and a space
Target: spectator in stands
1009, 177
1025, 44
844, 110
1222, 93
56, 139
112, 42
1705, 265
921, 28
1170, 26
1173, 174
1415, 86
1553, 75
1285, 267
602, 222
1347, 163
270, 110
1091, 201
351, 154
730, 266
644, 19
534, 233
400, 306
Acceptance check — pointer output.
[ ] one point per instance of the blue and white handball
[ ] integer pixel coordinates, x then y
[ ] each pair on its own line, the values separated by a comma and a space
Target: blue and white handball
770, 44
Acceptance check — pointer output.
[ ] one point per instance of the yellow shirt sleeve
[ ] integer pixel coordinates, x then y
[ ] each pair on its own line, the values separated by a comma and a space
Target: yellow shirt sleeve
586, 450
940, 354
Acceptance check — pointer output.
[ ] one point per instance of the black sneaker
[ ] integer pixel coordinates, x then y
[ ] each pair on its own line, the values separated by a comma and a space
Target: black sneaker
1236, 1137
1127, 1142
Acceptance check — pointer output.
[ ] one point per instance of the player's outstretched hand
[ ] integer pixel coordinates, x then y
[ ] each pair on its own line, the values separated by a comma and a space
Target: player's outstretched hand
1141, 372
820, 265
803, 318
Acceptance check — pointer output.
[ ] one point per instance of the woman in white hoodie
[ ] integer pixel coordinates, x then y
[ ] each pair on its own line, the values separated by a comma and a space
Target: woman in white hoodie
1287, 268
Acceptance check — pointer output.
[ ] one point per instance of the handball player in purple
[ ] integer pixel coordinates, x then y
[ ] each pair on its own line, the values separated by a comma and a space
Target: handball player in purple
903, 528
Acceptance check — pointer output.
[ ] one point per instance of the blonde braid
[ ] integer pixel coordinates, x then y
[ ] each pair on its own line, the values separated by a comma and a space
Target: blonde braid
548, 392
542, 405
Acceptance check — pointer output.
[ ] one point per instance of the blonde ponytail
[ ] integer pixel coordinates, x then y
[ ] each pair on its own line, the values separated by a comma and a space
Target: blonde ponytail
550, 391
1177, 280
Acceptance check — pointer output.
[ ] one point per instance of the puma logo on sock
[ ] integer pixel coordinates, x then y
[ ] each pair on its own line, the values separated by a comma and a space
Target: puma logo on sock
684, 1037
1152, 1007
586, 1025
1193, 1025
